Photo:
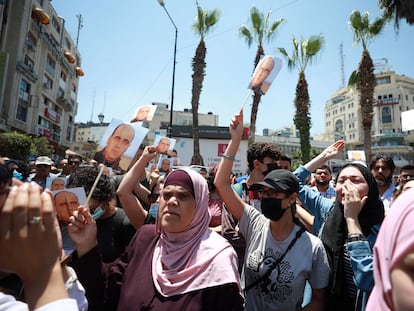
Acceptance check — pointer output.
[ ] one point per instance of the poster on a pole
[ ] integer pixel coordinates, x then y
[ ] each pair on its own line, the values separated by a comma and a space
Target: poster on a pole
407, 120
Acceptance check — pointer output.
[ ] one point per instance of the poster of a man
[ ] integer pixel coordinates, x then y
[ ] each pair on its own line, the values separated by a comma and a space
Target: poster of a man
67, 201
264, 74
144, 113
57, 183
163, 144
119, 144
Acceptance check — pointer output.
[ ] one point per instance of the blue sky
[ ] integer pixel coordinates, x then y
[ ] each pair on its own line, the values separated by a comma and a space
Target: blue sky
127, 55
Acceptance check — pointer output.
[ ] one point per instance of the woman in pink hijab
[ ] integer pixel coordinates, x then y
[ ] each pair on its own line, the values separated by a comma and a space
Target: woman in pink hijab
176, 264
394, 258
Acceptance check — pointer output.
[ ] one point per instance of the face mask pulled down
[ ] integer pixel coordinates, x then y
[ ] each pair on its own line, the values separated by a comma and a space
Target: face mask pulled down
272, 208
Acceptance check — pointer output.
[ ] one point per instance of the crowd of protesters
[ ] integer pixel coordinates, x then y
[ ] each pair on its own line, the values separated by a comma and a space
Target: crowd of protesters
156, 238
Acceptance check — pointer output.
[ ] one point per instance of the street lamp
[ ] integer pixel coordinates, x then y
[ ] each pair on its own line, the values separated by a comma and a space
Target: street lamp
169, 133
101, 117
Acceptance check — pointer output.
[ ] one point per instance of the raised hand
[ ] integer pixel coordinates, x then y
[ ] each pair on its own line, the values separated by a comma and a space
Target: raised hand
28, 231
82, 230
236, 125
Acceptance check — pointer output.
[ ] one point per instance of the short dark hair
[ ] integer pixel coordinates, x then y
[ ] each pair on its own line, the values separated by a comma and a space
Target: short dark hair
384, 158
324, 167
408, 167
284, 157
261, 150
85, 175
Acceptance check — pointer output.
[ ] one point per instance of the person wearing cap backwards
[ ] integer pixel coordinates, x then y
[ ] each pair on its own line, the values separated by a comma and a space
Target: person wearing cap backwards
280, 255
43, 166
177, 264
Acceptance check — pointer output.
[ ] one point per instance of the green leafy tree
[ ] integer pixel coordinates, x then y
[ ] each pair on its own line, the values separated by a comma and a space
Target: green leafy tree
204, 22
15, 145
364, 32
41, 146
399, 9
261, 29
304, 53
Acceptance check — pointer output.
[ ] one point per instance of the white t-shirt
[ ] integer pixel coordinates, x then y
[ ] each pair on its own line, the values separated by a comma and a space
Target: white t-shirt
8, 303
306, 260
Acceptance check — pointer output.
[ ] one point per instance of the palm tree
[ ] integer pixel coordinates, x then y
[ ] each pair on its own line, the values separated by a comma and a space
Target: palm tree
364, 31
400, 9
304, 52
261, 29
204, 22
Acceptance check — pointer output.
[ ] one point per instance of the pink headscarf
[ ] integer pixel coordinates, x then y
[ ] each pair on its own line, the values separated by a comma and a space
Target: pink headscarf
395, 239
197, 257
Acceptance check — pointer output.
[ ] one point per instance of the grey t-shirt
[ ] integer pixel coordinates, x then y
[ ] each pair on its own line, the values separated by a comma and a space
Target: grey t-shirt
306, 260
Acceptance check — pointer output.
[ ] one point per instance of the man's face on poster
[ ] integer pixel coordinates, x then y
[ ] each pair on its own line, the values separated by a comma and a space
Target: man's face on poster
163, 145
118, 142
143, 113
263, 72
66, 203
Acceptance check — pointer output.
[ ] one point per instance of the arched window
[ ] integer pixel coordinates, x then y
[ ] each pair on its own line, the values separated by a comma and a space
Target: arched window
386, 115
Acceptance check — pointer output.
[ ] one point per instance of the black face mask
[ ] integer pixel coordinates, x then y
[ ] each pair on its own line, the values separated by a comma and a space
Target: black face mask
271, 167
272, 208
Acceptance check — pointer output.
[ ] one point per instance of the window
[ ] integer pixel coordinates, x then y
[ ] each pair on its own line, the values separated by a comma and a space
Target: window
67, 43
29, 63
56, 24
23, 101
63, 76
47, 82
386, 115
50, 65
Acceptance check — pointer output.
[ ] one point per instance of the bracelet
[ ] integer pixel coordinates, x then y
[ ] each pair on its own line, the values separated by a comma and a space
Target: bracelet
229, 157
356, 237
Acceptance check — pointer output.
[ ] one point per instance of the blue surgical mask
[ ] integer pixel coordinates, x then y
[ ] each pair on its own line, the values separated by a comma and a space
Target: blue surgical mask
272, 208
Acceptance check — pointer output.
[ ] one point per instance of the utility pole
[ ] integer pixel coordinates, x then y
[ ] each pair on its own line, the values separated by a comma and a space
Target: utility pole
80, 25
341, 54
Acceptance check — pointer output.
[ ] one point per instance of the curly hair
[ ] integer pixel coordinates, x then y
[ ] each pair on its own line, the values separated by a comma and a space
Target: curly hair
85, 175
261, 150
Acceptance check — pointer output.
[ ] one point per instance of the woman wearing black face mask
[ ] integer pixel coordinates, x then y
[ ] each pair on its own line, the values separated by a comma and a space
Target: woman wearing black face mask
280, 257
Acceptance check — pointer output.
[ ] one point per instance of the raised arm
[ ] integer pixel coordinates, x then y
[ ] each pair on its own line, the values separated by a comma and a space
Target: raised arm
329, 153
130, 203
29, 245
222, 180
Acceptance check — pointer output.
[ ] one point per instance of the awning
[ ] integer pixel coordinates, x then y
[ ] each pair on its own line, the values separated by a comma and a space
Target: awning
41, 15
69, 57
79, 71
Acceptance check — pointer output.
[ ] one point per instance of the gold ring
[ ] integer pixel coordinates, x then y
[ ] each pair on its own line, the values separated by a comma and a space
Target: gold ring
35, 220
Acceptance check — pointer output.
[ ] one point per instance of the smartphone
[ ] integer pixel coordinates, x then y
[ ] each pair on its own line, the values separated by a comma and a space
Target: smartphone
97, 213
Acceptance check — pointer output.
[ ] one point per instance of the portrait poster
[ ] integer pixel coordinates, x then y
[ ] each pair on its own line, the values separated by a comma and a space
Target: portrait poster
55, 183
164, 144
266, 71
119, 144
356, 155
144, 113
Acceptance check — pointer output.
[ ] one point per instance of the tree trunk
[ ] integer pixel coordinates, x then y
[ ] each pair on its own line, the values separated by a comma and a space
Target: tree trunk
256, 101
198, 78
302, 116
366, 87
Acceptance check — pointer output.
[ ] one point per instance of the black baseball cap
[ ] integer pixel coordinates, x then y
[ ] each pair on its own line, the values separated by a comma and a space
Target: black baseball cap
279, 180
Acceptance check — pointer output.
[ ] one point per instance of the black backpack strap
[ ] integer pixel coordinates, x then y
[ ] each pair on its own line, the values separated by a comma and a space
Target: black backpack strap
277, 262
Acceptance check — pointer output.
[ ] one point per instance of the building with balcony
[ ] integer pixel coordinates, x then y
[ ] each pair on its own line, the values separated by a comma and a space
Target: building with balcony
40, 68
393, 94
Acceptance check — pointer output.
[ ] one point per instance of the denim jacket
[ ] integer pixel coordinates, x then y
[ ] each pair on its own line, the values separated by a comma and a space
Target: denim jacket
360, 252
